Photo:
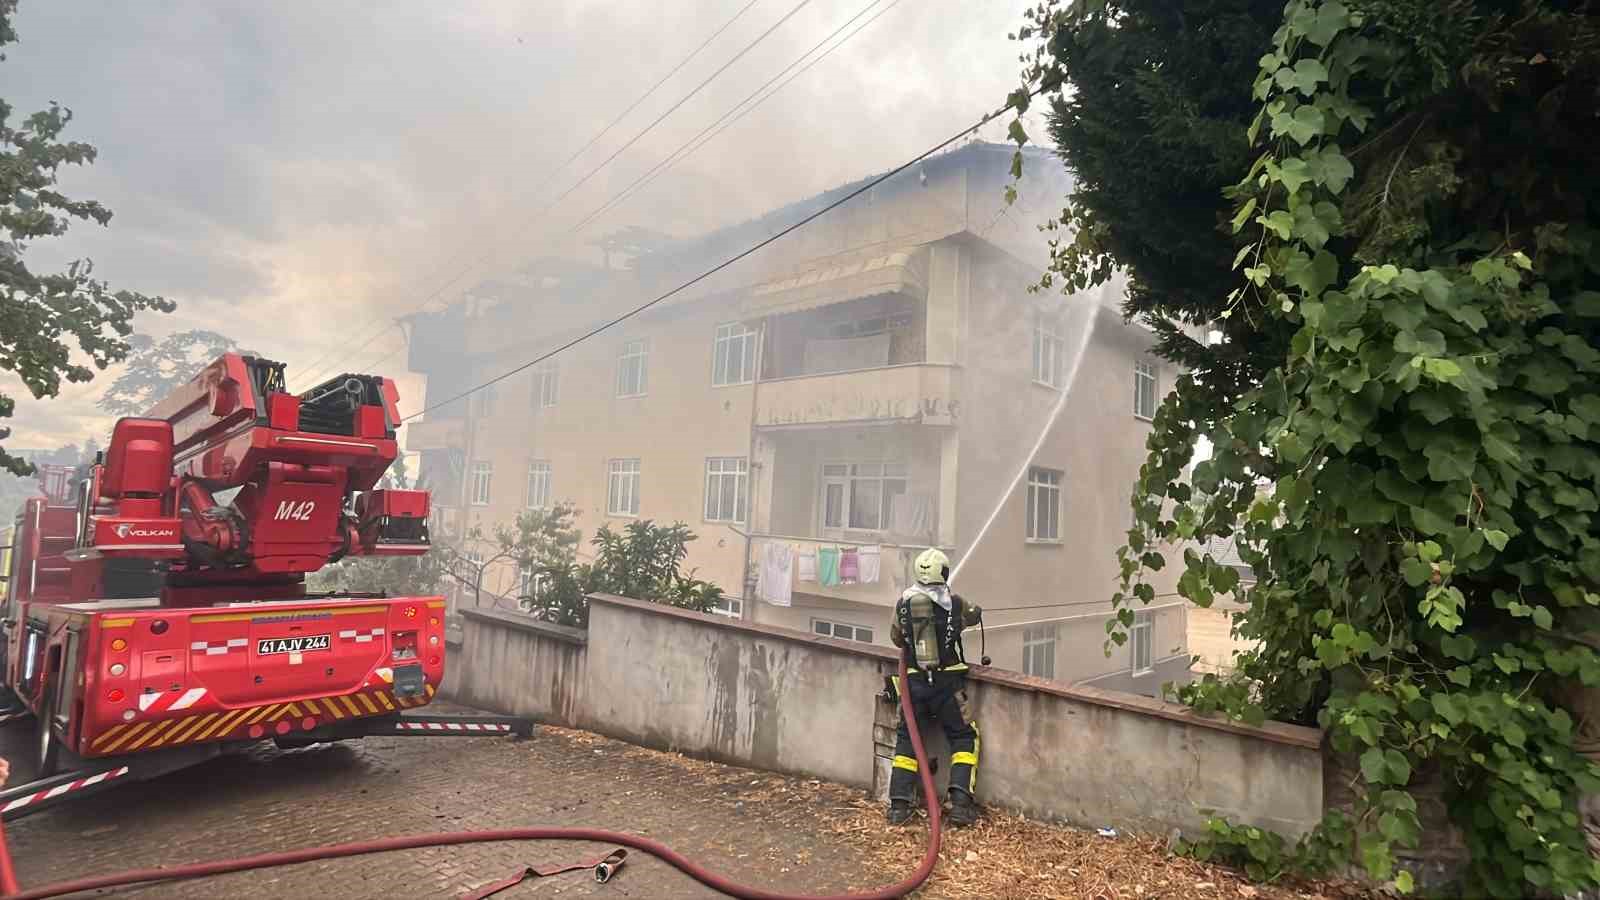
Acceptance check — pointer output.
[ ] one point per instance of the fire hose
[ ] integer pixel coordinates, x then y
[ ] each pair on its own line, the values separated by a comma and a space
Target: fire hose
9, 889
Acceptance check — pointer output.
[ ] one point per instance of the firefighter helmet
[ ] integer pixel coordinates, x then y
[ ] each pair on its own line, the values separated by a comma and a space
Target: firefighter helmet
933, 567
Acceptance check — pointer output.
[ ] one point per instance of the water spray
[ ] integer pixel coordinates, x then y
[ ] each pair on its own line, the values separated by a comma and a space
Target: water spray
1066, 388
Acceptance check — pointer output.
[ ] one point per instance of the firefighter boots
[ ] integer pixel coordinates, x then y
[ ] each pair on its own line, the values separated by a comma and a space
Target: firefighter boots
963, 809
900, 812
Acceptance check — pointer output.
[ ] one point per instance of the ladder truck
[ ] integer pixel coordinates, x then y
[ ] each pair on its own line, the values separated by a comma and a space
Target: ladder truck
156, 611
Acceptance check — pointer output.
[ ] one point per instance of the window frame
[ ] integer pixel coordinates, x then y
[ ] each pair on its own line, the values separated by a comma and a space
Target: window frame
1046, 336
725, 336
849, 480
1142, 634
634, 350
1032, 640
538, 476
481, 482
1145, 371
483, 401
728, 607
740, 475
615, 469
546, 385
834, 628
1030, 507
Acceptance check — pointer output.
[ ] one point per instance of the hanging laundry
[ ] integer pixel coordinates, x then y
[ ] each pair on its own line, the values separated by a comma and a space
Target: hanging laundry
776, 579
849, 566
871, 565
828, 566
808, 565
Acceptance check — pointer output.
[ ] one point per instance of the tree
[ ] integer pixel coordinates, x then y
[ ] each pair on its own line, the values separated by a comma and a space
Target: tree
1411, 360
41, 314
645, 562
155, 369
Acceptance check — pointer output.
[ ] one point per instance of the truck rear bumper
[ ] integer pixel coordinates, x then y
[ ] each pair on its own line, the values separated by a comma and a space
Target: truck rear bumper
281, 720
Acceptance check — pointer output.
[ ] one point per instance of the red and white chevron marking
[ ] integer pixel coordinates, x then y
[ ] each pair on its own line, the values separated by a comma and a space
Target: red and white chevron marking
363, 636
169, 701
60, 789
218, 648
451, 726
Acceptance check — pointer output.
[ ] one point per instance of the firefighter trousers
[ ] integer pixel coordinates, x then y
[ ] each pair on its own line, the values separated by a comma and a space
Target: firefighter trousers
943, 701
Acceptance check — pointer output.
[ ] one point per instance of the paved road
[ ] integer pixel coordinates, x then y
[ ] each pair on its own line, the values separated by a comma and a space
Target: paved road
757, 827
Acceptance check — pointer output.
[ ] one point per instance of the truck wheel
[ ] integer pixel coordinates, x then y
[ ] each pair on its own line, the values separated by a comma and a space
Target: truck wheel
47, 748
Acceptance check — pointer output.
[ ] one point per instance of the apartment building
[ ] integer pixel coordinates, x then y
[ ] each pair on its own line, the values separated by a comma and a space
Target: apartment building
872, 384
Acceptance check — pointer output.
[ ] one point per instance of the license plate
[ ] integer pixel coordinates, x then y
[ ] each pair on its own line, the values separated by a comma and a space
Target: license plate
408, 681
269, 646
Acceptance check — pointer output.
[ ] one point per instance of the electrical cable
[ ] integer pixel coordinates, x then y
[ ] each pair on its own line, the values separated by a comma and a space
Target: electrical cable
655, 848
481, 258
1069, 603
690, 147
869, 185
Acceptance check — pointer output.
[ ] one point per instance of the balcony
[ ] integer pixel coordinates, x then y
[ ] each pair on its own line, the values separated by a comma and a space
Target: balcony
894, 572
441, 434
921, 393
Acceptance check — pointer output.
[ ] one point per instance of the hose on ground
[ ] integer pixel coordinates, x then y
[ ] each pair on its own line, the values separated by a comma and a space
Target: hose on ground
411, 842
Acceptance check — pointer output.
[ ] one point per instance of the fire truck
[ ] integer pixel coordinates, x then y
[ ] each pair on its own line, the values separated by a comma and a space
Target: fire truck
156, 611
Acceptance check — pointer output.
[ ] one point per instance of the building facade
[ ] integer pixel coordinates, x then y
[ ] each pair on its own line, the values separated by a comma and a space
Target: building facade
875, 383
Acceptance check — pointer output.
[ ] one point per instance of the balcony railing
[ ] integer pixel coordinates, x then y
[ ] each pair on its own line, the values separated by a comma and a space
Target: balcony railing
894, 569
922, 393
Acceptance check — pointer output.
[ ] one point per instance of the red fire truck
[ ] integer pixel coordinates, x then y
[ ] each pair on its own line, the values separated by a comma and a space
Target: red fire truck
156, 612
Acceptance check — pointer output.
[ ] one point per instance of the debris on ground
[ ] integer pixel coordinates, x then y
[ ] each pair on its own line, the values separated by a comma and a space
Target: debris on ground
1004, 857
1010, 857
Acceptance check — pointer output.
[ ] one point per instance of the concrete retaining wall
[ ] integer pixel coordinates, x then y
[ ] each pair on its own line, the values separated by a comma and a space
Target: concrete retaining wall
793, 702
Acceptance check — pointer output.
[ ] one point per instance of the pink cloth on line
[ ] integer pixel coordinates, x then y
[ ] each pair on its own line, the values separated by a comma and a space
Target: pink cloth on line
849, 566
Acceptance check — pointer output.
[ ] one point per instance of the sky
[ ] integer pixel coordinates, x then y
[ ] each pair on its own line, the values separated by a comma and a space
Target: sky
295, 175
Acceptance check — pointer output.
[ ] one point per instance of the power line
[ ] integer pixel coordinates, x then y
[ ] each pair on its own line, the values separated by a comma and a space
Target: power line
646, 95
476, 261
679, 154
690, 147
1105, 603
732, 259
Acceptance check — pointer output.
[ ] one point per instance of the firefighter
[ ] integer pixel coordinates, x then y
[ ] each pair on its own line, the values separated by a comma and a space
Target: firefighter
927, 626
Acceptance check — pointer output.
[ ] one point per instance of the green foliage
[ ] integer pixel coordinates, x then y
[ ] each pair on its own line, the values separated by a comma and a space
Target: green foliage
1410, 456
1135, 97
644, 562
154, 369
41, 314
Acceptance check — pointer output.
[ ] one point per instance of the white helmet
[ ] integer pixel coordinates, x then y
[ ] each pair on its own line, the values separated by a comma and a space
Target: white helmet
932, 566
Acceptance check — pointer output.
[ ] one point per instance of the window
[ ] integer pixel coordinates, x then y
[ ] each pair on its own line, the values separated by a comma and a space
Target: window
1143, 628
633, 369
861, 496
1039, 651
485, 400
726, 487
1044, 504
622, 489
842, 630
546, 384
1048, 349
482, 475
1144, 389
732, 607
733, 358
538, 484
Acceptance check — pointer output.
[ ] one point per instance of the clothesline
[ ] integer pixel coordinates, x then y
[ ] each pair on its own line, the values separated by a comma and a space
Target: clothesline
783, 565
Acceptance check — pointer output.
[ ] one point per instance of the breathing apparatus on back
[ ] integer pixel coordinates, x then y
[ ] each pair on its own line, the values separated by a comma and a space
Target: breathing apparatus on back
921, 625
